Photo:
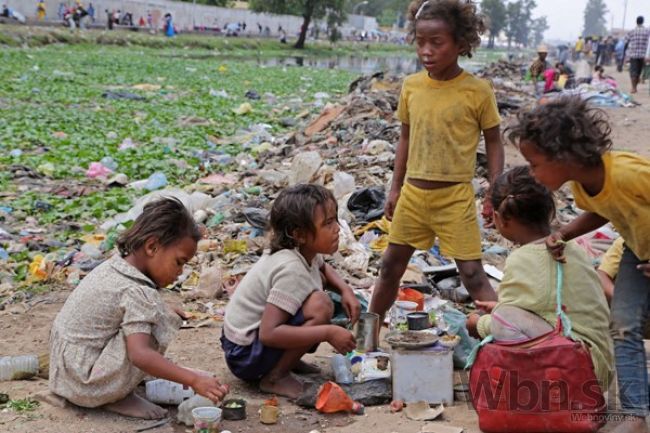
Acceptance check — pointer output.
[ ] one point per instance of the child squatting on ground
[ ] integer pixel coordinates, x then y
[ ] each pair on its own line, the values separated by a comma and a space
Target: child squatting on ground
443, 110
568, 141
114, 327
280, 311
523, 210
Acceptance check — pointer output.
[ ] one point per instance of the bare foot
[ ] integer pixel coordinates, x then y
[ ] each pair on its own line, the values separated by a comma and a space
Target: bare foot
136, 407
286, 386
305, 368
632, 425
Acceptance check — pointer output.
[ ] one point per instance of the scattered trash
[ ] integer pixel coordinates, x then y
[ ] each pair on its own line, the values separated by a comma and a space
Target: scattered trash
206, 419
420, 411
244, 108
185, 409
163, 391
97, 170
396, 406
252, 94
367, 204
120, 94
304, 167
18, 367
332, 399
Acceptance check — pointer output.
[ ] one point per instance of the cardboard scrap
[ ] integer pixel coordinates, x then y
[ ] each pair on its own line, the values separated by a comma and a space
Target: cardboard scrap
441, 428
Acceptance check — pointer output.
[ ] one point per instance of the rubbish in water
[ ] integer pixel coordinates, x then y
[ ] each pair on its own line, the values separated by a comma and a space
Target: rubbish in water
252, 94
206, 419
185, 409
234, 409
163, 391
420, 411
113, 94
331, 399
18, 367
96, 169
342, 369
367, 331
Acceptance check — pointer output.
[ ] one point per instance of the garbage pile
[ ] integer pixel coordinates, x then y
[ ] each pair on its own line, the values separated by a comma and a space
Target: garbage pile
349, 147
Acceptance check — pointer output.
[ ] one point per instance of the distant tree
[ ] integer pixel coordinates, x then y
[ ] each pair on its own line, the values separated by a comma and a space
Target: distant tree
495, 11
519, 21
539, 26
595, 24
308, 9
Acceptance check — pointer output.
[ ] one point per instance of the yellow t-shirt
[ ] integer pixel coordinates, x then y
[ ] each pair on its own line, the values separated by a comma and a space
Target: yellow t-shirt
611, 260
445, 120
624, 199
529, 282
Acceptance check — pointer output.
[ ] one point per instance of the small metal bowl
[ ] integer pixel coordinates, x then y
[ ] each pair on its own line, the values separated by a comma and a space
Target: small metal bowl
418, 321
234, 413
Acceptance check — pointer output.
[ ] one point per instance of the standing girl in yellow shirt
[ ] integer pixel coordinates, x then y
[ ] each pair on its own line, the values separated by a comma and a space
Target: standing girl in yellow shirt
443, 110
568, 141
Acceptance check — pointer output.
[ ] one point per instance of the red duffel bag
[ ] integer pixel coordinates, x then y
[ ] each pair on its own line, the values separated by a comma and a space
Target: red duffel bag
543, 385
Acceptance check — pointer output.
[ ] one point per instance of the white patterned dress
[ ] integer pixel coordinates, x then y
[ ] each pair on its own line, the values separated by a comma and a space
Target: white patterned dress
89, 365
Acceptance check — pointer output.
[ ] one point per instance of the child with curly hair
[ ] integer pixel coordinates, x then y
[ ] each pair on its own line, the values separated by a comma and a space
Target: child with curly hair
280, 311
568, 141
523, 210
114, 328
443, 111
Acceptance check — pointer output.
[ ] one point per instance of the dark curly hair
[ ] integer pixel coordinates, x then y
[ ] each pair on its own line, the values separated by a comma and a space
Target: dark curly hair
565, 129
516, 194
461, 15
166, 219
294, 210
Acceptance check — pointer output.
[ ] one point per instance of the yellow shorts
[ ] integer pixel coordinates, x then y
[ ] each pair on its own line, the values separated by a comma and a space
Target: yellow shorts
448, 213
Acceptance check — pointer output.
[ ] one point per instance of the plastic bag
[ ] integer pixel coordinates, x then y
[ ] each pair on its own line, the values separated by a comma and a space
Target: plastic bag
331, 399
455, 321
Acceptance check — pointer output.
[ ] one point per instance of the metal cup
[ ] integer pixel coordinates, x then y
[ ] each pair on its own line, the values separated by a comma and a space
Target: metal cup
367, 334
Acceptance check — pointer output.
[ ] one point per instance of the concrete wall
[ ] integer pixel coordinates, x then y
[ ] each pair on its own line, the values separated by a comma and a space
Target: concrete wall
187, 15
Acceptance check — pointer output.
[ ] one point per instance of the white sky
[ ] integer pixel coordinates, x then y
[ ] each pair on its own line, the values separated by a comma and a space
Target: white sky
566, 17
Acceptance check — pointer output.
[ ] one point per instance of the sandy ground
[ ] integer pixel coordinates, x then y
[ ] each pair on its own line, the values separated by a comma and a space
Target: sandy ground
25, 328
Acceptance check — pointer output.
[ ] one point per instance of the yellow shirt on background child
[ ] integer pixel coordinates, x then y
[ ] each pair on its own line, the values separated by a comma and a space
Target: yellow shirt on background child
624, 199
529, 283
445, 121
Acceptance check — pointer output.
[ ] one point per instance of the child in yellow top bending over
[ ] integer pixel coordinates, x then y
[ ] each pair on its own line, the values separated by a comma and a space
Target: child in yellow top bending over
568, 141
443, 110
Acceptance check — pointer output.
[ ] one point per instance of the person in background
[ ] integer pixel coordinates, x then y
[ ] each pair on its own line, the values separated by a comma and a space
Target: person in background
537, 69
40, 10
91, 12
636, 43
580, 44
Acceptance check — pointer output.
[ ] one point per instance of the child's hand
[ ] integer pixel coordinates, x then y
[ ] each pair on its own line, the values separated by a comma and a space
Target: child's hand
391, 203
645, 268
209, 387
351, 305
487, 213
487, 306
341, 339
555, 245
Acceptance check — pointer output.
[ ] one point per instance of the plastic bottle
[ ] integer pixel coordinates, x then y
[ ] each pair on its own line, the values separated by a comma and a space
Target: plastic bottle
18, 367
342, 369
163, 391
156, 181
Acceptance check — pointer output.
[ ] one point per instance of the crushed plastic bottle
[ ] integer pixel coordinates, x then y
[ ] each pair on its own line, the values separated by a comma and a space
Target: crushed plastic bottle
342, 369
163, 391
18, 367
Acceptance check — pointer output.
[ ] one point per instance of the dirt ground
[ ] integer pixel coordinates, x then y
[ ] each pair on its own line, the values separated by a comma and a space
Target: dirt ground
25, 328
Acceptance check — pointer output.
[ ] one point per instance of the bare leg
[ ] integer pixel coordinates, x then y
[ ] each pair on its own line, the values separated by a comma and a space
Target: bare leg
635, 83
318, 310
475, 280
136, 407
393, 264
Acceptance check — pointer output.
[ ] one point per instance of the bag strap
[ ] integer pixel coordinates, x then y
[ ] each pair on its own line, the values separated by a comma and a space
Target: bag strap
563, 321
